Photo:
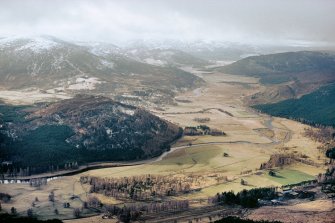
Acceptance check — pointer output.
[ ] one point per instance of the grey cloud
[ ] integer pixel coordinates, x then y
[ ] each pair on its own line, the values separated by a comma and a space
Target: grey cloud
227, 20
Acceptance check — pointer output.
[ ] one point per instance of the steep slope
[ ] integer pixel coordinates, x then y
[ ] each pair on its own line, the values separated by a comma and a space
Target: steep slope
317, 107
82, 129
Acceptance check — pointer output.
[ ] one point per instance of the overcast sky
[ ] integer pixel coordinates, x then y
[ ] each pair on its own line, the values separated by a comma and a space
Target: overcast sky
123, 20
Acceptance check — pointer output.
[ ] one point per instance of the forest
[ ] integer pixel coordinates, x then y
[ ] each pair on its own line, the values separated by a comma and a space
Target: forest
233, 219
245, 198
55, 136
315, 108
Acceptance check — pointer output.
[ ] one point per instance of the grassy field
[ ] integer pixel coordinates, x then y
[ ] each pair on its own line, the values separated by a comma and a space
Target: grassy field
289, 176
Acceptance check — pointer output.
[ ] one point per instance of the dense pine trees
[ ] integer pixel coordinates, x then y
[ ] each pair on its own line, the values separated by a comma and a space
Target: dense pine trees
245, 198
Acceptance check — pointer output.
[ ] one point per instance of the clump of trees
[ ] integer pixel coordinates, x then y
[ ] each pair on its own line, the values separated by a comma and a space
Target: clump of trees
144, 187
93, 202
51, 196
202, 130
30, 213
244, 182
321, 134
245, 198
76, 212
272, 173
38, 182
327, 179
201, 120
13, 211
5, 197
330, 153
278, 160
282, 159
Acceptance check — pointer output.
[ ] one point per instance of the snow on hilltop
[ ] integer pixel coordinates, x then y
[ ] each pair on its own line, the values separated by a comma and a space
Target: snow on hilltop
35, 44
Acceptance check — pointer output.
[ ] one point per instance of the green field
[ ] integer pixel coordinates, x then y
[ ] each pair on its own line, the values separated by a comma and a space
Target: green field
289, 176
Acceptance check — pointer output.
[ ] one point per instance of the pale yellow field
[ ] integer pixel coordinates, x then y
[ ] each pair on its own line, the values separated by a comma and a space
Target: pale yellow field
319, 211
63, 188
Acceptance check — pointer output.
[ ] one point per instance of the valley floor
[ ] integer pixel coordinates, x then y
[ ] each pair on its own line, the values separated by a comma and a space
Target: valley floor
250, 141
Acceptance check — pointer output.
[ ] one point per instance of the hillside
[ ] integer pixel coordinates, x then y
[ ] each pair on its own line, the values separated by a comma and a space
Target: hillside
52, 65
315, 108
303, 66
82, 129
165, 57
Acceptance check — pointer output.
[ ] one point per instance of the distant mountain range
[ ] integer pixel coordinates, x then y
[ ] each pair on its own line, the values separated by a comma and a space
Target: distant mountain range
218, 50
54, 65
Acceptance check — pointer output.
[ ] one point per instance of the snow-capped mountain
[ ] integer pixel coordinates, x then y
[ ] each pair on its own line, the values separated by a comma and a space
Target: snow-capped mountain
53, 65
164, 57
101, 48
36, 44
215, 50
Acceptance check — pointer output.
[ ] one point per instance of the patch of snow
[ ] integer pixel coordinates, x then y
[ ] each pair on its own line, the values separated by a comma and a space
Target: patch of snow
134, 51
127, 111
100, 48
107, 63
85, 83
167, 53
248, 55
152, 61
38, 44
30, 96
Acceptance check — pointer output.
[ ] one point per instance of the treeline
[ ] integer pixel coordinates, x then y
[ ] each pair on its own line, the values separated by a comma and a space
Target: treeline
144, 187
321, 133
245, 198
233, 219
12, 171
7, 218
132, 212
